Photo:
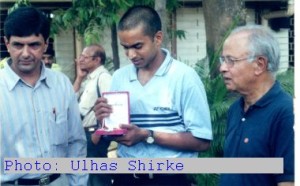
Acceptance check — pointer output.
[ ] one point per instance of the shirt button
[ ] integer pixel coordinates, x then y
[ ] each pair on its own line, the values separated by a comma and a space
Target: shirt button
243, 119
246, 140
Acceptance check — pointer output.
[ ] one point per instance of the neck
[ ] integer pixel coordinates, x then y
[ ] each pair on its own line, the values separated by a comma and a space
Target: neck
146, 73
31, 77
257, 92
156, 63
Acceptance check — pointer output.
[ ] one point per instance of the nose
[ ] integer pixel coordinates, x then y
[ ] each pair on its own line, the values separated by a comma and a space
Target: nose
81, 60
131, 54
46, 60
223, 68
26, 51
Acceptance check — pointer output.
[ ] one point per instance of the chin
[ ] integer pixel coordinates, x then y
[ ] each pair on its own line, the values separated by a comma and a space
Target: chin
230, 88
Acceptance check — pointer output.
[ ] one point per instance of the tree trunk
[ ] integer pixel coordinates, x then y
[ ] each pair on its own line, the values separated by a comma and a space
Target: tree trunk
114, 46
161, 8
220, 18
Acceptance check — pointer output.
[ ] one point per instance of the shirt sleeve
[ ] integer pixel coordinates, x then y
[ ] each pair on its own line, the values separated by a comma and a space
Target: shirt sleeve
77, 147
196, 113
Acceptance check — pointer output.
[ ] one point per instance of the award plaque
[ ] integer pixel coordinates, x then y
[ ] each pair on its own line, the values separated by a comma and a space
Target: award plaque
120, 113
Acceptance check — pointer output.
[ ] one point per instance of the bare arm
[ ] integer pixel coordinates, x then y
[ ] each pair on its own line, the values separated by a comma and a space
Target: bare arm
181, 141
184, 141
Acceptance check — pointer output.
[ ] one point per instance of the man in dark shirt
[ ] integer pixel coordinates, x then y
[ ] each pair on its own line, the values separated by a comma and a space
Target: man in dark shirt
260, 123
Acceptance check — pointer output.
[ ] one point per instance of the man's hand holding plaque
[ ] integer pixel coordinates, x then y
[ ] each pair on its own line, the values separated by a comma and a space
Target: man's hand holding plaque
119, 103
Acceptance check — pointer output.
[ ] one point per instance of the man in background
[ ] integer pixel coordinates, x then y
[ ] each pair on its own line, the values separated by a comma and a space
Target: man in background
92, 79
49, 59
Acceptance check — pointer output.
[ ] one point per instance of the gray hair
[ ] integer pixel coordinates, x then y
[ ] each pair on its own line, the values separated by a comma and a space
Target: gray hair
261, 42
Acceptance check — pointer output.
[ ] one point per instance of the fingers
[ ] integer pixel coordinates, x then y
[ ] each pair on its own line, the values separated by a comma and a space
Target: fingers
127, 126
124, 140
102, 109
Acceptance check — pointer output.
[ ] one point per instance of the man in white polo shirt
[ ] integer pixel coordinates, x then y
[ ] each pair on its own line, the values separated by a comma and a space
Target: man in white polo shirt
169, 112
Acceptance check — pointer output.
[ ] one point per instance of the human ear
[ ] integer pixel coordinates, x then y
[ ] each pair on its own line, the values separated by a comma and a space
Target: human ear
261, 64
158, 38
6, 43
46, 45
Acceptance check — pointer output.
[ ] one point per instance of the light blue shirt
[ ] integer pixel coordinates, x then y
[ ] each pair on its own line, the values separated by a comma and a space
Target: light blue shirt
42, 121
173, 101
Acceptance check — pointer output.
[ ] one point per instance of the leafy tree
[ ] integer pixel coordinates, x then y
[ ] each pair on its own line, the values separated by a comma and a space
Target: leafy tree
19, 3
220, 17
90, 18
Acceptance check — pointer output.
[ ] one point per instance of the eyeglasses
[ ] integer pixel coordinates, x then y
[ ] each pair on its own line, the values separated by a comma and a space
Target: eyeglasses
230, 61
85, 57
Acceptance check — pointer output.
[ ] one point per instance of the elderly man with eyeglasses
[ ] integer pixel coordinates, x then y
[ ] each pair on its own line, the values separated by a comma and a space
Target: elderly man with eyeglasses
92, 79
260, 123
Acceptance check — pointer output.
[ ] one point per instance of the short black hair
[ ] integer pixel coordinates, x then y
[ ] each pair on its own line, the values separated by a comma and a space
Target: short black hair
26, 21
50, 51
141, 15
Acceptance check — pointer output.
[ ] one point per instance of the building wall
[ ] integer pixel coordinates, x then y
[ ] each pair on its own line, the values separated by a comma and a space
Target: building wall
106, 43
64, 48
193, 48
3, 52
282, 37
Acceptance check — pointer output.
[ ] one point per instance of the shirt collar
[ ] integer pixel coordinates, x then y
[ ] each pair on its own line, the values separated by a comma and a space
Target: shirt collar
95, 73
268, 97
162, 70
12, 78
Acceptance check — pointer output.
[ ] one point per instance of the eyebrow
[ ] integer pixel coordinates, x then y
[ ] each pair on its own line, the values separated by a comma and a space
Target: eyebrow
30, 44
131, 46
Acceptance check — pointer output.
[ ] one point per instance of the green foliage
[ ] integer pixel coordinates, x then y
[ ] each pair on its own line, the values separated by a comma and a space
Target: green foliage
286, 80
219, 100
89, 17
109, 65
180, 34
19, 3
172, 5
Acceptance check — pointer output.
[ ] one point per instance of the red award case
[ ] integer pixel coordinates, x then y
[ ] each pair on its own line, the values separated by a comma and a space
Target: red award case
120, 115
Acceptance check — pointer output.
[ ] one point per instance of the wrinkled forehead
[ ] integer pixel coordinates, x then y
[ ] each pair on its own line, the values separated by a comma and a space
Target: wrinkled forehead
240, 39
236, 45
